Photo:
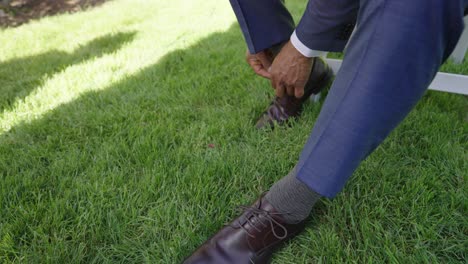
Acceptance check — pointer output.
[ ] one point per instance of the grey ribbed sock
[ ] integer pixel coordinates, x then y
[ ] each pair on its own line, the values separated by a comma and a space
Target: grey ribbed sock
292, 197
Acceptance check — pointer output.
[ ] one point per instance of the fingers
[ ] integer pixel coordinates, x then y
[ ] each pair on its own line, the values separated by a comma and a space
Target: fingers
290, 89
257, 65
278, 83
258, 69
280, 89
298, 92
264, 59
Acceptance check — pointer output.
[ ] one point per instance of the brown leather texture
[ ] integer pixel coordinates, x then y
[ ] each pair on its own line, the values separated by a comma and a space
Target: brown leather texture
287, 107
253, 237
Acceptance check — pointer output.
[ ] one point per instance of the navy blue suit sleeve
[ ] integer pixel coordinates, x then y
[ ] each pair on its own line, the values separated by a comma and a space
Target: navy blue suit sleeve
327, 24
264, 23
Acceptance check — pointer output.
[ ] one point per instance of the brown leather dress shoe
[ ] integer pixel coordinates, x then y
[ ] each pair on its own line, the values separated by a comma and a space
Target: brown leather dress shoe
283, 109
251, 238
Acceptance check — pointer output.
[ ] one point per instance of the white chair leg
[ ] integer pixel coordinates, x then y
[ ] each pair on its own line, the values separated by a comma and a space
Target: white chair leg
460, 50
315, 97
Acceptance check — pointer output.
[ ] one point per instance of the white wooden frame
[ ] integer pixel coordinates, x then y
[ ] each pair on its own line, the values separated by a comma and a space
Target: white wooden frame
445, 82
458, 54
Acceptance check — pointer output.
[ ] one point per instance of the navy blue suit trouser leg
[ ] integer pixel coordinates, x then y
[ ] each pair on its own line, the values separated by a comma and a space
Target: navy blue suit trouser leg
326, 24
390, 61
264, 23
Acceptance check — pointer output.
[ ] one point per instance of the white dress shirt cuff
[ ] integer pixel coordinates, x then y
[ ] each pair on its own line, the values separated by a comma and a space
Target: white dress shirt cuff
304, 50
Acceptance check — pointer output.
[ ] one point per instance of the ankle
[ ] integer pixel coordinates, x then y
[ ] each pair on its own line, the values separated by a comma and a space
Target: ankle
292, 198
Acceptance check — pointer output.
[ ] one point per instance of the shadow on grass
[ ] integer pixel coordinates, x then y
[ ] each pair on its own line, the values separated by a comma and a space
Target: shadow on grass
20, 76
121, 130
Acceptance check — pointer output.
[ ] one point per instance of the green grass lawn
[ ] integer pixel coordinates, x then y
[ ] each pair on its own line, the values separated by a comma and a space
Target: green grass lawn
126, 135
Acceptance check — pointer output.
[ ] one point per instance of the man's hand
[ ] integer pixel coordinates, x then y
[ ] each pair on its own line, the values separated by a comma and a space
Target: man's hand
260, 62
290, 71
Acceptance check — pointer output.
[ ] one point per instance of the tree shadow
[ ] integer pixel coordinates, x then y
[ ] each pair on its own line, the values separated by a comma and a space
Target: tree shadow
104, 130
20, 76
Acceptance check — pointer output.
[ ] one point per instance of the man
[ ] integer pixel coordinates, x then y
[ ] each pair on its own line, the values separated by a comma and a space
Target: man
391, 58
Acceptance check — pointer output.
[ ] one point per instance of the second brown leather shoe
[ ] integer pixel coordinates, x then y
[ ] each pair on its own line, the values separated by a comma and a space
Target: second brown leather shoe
287, 107
251, 238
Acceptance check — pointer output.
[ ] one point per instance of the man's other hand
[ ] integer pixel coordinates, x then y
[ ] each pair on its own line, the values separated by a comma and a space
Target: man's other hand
260, 62
290, 71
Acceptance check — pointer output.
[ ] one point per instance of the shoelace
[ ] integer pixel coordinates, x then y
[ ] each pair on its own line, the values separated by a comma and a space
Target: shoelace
276, 111
257, 212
